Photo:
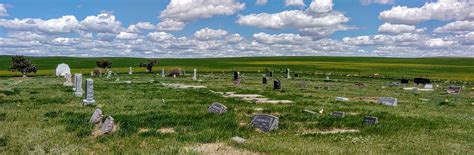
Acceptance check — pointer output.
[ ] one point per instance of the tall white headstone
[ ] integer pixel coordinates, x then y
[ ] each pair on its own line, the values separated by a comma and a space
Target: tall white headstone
68, 81
130, 71
92, 73
288, 73
62, 69
78, 84
89, 92
162, 72
195, 74
109, 74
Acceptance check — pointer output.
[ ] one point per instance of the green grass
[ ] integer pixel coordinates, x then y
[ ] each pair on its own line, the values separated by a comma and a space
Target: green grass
434, 68
41, 115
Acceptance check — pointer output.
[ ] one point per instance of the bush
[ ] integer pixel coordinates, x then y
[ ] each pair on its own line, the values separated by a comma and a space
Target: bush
104, 63
23, 65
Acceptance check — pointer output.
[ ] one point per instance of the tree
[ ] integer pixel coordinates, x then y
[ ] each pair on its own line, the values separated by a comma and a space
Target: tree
103, 63
149, 65
23, 65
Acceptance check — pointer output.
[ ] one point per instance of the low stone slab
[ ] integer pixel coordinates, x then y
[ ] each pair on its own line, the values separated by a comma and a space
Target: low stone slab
217, 108
108, 125
275, 101
96, 116
265, 123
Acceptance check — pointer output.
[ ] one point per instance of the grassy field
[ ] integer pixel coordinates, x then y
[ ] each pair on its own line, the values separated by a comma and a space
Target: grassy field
40, 115
434, 68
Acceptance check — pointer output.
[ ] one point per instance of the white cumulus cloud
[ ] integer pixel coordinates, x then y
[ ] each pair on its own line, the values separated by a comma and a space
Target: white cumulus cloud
261, 2
320, 6
294, 3
3, 10
398, 28
284, 38
189, 10
103, 23
456, 27
210, 34
170, 25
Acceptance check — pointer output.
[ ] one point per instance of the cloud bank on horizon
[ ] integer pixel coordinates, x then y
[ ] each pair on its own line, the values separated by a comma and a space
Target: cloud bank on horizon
224, 28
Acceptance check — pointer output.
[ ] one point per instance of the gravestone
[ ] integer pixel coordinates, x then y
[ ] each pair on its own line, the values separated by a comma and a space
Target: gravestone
217, 108
174, 75
264, 80
62, 69
454, 89
78, 84
108, 125
130, 71
342, 99
276, 84
68, 81
393, 84
404, 81
195, 74
288, 73
390, 101
421, 81
236, 75
92, 73
96, 116
265, 122
337, 114
369, 120
109, 74
270, 74
89, 92
428, 86
296, 75
162, 72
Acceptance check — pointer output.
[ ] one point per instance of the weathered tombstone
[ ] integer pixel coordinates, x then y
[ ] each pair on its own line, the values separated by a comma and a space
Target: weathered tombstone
296, 75
236, 75
454, 89
108, 125
89, 92
174, 75
276, 84
92, 73
288, 73
428, 86
270, 74
62, 69
421, 81
264, 80
394, 84
130, 71
78, 84
162, 72
109, 74
390, 101
337, 114
342, 99
195, 74
404, 81
96, 116
68, 81
217, 108
369, 120
265, 122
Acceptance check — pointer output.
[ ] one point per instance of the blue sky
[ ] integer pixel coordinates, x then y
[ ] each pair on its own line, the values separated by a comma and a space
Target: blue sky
222, 28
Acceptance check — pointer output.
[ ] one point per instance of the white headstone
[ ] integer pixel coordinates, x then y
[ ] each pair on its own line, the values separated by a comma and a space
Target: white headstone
62, 69
108, 125
130, 71
78, 84
195, 74
288, 73
390, 101
89, 92
68, 81
92, 73
428, 86
109, 74
162, 72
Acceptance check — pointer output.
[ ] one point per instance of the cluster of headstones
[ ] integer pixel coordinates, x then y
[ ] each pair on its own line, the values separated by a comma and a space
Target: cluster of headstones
106, 126
77, 88
369, 120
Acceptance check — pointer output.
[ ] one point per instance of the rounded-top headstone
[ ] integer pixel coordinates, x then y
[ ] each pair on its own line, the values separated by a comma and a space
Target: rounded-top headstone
62, 69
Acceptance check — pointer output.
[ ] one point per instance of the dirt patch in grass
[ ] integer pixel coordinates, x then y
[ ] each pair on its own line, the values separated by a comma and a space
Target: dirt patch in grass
217, 149
166, 130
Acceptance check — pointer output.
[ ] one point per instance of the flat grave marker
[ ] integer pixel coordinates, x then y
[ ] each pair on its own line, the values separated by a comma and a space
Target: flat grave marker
217, 108
265, 123
370, 120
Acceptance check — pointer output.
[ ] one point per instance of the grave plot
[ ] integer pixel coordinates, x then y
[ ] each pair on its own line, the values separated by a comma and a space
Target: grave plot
253, 98
182, 86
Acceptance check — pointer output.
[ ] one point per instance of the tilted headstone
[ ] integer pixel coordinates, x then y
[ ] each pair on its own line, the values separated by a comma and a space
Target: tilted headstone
390, 101
369, 120
264, 80
96, 116
195, 74
265, 122
337, 114
276, 84
78, 84
68, 81
217, 108
89, 92
62, 69
108, 125
288, 73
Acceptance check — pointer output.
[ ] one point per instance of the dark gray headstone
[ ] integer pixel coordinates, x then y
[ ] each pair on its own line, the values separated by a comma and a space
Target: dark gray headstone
264, 80
108, 125
337, 114
296, 75
265, 122
270, 74
236, 75
96, 116
390, 101
454, 89
276, 84
217, 108
369, 120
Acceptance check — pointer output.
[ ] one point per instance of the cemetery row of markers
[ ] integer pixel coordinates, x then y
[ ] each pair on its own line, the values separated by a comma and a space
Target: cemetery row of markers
263, 122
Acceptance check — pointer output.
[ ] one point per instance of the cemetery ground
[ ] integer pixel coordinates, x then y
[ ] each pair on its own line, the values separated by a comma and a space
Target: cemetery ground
39, 114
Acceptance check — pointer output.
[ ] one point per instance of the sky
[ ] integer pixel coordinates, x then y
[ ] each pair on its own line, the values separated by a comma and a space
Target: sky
237, 28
